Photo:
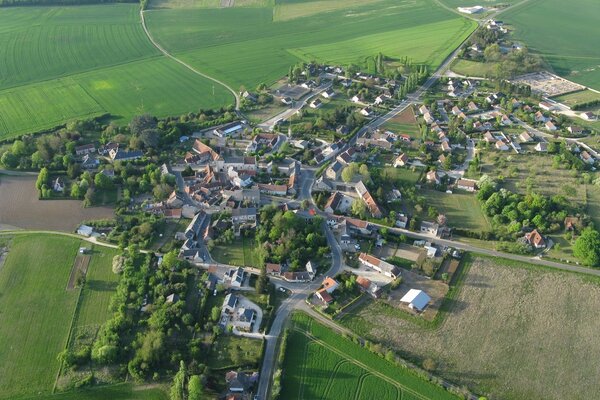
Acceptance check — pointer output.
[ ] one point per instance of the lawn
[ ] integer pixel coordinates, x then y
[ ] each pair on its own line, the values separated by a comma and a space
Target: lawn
36, 312
233, 351
515, 331
583, 96
474, 68
240, 252
404, 123
565, 33
61, 63
593, 203
319, 363
123, 391
401, 176
462, 209
247, 46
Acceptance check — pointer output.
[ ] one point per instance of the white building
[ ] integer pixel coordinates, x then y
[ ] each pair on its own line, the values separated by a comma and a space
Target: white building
416, 299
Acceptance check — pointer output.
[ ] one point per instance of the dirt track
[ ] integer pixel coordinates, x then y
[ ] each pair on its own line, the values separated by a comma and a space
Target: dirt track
21, 208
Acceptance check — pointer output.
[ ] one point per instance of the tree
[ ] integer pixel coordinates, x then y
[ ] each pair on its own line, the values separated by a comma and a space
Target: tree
43, 178
359, 208
261, 282
140, 123
194, 388
88, 199
215, 313
18, 148
75, 193
587, 247
170, 260
178, 386
102, 181
9, 160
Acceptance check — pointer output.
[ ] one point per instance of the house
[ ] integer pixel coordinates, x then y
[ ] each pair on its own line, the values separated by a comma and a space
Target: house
85, 230
333, 202
317, 103
249, 96
423, 110
379, 265
296, 277
505, 120
243, 319
366, 112
550, 126
572, 223
235, 276
363, 192
575, 130
263, 141
382, 98
466, 184
488, 137
472, 106
239, 383
445, 146
401, 160
85, 149
356, 226
324, 296
356, 99
586, 157
58, 185
311, 269
328, 94
541, 147
103, 150
433, 177
429, 227
243, 215
334, 171
330, 284
525, 137
287, 100
229, 304
540, 117
205, 152
173, 213
428, 118
500, 145
369, 287
401, 221
273, 190
124, 155
544, 105
175, 200
456, 110
416, 299
89, 161
230, 129
535, 239
588, 116
273, 269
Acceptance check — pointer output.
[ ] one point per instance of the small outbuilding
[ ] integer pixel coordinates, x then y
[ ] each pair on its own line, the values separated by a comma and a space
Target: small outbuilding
416, 299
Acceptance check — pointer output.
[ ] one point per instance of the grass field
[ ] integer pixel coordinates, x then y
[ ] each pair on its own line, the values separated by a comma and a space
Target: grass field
61, 63
583, 96
36, 312
474, 68
246, 46
113, 392
404, 123
515, 331
565, 33
461, 209
593, 203
321, 364
240, 252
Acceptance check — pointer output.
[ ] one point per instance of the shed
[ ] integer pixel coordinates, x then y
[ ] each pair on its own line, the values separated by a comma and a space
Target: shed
416, 299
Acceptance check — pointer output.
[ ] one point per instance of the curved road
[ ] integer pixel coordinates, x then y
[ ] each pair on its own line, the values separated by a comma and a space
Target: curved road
194, 70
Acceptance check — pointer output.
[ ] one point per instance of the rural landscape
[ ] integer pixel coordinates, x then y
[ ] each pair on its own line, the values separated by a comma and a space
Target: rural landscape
299, 199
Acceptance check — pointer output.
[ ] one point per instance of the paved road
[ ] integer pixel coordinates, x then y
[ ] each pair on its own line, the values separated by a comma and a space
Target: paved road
194, 70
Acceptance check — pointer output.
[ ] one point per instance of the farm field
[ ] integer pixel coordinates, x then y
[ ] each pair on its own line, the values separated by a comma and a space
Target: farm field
404, 123
514, 331
61, 63
461, 209
565, 33
36, 312
572, 99
21, 208
246, 46
321, 364
114, 392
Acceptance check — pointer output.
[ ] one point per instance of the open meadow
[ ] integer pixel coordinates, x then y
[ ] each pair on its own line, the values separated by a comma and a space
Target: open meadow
462, 209
250, 45
583, 96
514, 331
62, 63
320, 364
565, 33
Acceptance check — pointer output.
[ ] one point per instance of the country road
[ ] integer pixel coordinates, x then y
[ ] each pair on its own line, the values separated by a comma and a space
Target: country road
194, 70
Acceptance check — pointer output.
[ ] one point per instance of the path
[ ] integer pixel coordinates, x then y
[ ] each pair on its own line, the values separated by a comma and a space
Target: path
194, 70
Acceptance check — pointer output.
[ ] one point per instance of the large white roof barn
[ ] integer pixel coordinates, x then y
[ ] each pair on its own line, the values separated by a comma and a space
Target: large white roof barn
416, 299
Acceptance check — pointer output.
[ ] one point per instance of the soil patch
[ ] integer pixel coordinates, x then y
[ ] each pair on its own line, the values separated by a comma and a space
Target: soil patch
20, 207
80, 267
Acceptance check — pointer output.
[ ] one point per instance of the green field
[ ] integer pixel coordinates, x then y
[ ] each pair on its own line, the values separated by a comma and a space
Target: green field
61, 63
36, 312
37, 309
320, 364
565, 33
583, 96
246, 46
114, 392
240, 252
474, 68
461, 209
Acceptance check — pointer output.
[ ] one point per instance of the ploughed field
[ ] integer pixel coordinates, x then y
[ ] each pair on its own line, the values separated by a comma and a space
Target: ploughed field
62, 63
254, 44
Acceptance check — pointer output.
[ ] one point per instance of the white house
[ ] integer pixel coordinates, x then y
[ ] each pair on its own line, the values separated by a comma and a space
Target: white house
416, 299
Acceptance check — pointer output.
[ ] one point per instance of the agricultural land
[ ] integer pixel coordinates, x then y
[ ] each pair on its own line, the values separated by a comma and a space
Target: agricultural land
245, 46
564, 33
505, 333
320, 364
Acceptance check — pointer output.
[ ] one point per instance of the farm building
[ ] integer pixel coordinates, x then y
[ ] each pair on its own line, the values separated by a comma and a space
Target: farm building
384, 267
416, 299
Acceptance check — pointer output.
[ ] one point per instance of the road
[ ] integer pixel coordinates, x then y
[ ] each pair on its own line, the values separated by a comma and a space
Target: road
194, 70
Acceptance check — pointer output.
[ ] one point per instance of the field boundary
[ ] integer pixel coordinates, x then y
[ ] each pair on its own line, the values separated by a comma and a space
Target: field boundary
194, 70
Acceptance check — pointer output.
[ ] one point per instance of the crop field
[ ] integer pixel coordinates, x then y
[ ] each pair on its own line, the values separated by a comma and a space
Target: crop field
247, 46
36, 312
62, 63
515, 331
404, 123
565, 33
583, 96
320, 364
461, 209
